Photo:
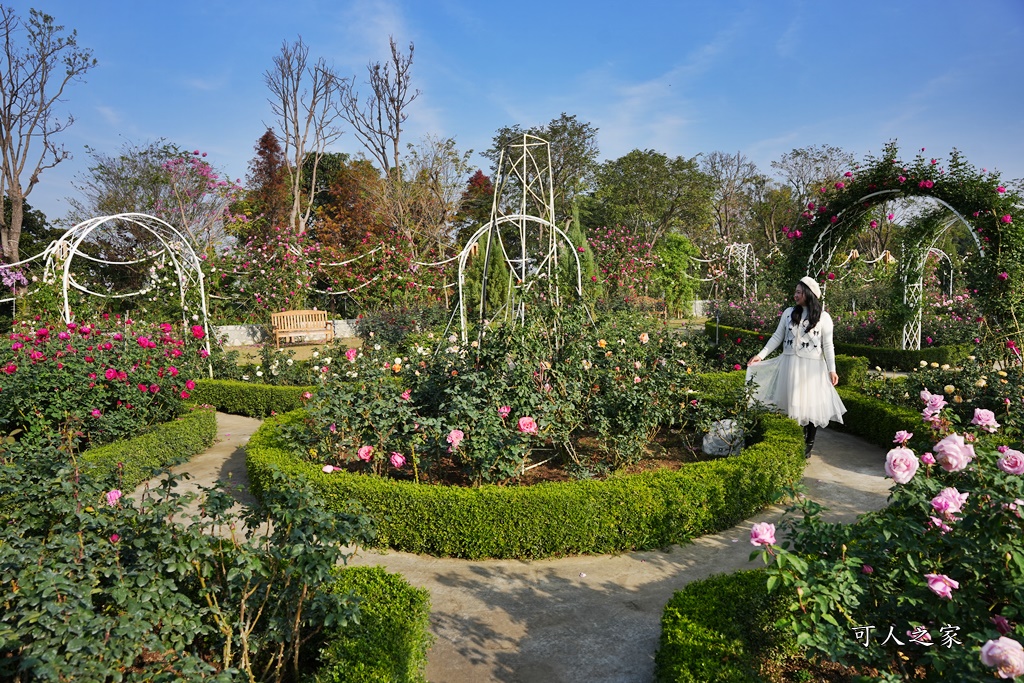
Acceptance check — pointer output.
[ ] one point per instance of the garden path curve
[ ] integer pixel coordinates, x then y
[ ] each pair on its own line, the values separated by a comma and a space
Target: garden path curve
575, 619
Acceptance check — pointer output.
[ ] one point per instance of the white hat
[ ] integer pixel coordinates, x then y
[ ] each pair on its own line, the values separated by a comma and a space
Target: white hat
809, 282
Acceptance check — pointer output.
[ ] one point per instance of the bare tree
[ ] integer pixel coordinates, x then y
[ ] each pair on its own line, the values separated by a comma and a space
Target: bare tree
378, 122
32, 80
436, 172
732, 176
807, 168
305, 99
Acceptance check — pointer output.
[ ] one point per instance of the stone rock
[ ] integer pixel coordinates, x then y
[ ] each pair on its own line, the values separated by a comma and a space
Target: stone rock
724, 438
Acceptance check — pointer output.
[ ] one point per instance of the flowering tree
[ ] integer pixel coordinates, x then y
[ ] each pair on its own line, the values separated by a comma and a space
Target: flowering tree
624, 261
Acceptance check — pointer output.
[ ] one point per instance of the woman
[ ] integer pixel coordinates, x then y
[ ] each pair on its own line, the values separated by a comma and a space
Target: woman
801, 382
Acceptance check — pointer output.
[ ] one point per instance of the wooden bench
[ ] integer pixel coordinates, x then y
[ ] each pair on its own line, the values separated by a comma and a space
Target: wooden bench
290, 324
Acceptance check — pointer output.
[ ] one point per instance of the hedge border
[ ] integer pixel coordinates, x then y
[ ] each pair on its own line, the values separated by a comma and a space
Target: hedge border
701, 643
721, 629
391, 640
639, 511
168, 443
248, 398
890, 359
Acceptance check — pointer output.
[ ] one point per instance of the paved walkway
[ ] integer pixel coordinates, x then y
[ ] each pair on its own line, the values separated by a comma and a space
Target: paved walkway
576, 619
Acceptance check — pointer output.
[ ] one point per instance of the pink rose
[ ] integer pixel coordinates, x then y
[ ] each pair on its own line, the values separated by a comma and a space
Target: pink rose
940, 525
96, 413
111, 373
901, 465
397, 459
351, 354
953, 454
902, 437
198, 332
1005, 655
985, 419
114, 538
113, 496
941, 585
406, 395
867, 569
455, 437
365, 453
949, 502
928, 458
190, 384
1011, 462
527, 425
328, 468
504, 411
762, 533
1007, 218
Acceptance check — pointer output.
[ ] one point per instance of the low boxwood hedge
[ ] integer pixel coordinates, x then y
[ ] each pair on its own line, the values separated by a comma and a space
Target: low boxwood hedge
889, 359
168, 443
721, 630
248, 398
874, 420
647, 510
390, 642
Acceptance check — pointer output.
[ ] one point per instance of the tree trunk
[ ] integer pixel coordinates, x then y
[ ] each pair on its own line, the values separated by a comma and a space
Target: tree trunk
10, 234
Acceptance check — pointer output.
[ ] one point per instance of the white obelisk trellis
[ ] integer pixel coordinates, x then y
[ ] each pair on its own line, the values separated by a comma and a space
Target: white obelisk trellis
524, 165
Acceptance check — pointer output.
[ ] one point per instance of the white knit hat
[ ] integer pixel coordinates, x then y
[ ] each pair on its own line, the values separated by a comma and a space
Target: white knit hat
809, 282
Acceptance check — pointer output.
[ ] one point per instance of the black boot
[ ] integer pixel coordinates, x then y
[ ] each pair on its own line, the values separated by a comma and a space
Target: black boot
810, 431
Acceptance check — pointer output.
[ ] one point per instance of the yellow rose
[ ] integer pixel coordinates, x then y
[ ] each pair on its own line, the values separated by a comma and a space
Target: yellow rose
602, 343
949, 388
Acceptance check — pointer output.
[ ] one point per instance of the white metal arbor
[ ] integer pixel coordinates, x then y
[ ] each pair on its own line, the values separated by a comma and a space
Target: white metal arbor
911, 271
175, 249
523, 166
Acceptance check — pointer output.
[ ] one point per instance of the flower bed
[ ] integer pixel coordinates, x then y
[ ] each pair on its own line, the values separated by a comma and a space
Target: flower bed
648, 510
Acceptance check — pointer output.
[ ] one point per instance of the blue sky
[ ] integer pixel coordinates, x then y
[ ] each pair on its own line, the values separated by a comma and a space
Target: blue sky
680, 77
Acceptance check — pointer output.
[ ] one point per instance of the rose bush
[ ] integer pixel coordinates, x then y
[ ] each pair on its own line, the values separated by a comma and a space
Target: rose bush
930, 587
96, 383
546, 385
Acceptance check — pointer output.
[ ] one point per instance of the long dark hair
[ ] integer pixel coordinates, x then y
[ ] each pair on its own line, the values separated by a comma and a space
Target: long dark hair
813, 308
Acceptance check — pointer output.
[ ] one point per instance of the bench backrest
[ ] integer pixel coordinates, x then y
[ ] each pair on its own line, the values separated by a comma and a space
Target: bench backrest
287, 319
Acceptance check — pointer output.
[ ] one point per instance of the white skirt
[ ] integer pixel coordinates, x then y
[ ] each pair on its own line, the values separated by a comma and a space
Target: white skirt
799, 387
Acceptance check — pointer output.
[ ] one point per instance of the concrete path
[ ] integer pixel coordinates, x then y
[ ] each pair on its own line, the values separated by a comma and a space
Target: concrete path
576, 619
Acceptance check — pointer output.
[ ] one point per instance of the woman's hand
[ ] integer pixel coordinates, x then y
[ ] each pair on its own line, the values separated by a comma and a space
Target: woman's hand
755, 359
834, 377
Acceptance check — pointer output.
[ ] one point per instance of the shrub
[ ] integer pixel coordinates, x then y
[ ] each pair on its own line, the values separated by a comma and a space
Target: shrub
918, 588
721, 630
391, 639
647, 510
133, 461
249, 398
101, 385
95, 588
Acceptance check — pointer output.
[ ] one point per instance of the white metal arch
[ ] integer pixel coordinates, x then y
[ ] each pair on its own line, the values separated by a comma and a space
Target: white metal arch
176, 248
826, 246
516, 309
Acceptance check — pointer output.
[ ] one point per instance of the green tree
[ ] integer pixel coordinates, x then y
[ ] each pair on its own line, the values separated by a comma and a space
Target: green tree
497, 280
33, 77
573, 158
653, 195
676, 273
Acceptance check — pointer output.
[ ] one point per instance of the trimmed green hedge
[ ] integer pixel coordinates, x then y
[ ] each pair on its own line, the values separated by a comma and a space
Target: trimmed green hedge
647, 510
248, 398
889, 359
170, 442
720, 630
852, 371
390, 642
874, 420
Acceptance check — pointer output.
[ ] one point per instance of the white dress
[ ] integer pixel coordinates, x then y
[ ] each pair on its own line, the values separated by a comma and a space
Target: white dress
797, 381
